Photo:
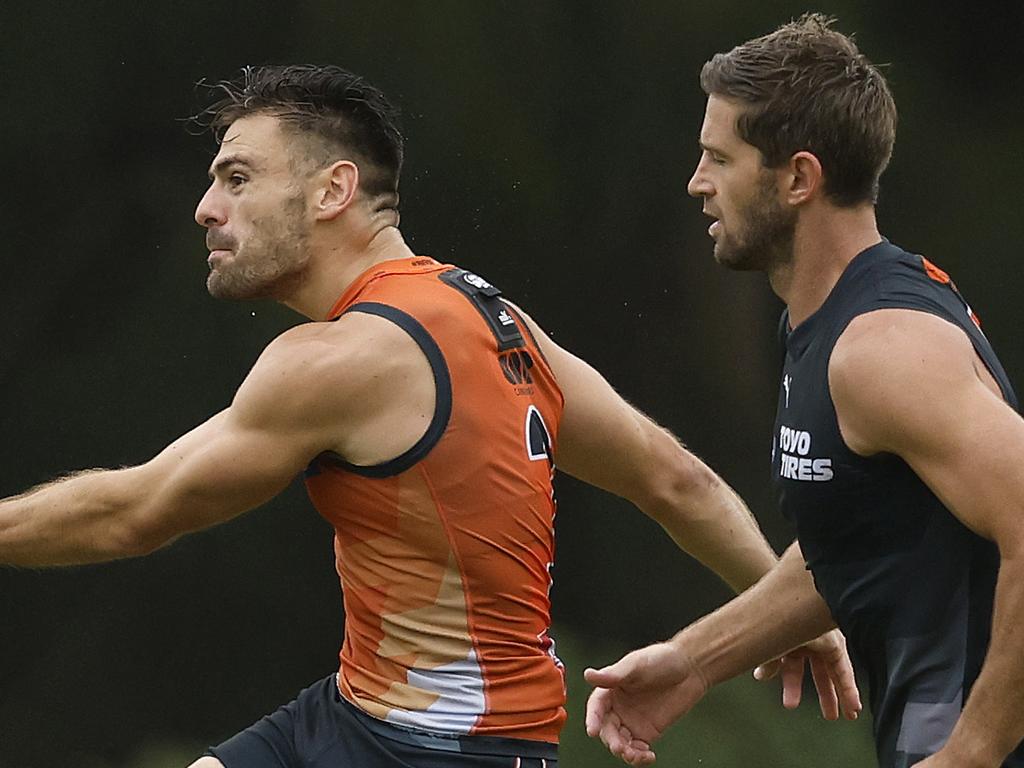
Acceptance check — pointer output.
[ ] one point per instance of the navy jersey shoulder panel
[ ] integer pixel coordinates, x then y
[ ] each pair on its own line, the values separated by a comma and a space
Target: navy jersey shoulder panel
442, 400
526, 327
487, 300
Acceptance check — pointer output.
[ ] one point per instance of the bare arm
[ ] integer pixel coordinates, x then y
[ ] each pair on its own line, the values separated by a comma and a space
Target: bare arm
644, 692
607, 443
935, 406
285, 413
221, 468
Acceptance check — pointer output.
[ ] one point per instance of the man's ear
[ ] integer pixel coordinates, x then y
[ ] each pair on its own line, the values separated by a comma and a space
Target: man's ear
805, 178
338, 190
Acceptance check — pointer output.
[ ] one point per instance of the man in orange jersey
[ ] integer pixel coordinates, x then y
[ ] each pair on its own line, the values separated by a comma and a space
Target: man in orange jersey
428, 414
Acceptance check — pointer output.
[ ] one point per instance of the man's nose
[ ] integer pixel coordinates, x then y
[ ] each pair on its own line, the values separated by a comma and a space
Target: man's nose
209, 213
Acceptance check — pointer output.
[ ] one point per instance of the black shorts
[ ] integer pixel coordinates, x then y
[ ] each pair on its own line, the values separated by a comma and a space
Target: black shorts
320, 729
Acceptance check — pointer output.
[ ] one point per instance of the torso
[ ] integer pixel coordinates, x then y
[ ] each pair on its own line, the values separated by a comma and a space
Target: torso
909, 585
444, 536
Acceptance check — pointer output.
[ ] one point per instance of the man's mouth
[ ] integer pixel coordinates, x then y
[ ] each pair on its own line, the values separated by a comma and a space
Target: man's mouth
217, 254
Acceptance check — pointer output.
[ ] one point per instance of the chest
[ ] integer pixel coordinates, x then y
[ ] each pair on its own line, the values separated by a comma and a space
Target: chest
807, 446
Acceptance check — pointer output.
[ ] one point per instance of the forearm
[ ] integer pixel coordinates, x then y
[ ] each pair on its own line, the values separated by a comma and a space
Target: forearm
779, 613
991, 725
83, 518
707, 519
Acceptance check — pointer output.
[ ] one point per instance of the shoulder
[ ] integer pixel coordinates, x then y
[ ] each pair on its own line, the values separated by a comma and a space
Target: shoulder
895, 339
326, 367
891, 367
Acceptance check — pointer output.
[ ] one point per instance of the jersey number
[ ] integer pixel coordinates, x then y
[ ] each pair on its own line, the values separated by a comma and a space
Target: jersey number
538, 439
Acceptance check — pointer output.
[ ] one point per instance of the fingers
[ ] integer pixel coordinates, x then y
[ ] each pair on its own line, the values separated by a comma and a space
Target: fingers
598, 705
832, 673
603, 722
827, 698
621, 743
792, 673
791, 669
841, 672
849, 698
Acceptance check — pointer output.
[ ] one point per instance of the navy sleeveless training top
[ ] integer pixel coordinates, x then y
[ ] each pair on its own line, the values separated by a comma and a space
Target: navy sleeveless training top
909, 585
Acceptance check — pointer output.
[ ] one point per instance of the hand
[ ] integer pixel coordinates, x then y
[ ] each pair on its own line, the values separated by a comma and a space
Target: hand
831, 670
639, 696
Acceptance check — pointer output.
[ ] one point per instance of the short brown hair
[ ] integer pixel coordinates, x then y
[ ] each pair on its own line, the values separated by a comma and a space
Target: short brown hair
337, 110
808, 88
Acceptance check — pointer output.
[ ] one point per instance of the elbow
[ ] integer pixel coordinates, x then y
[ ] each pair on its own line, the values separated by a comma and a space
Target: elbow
677, 485
135, 538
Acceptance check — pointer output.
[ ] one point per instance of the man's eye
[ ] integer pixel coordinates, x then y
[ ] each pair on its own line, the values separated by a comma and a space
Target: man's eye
236, 180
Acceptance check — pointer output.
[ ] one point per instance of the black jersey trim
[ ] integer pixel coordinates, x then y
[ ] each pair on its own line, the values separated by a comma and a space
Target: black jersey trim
526, 327
488, 302
442, 401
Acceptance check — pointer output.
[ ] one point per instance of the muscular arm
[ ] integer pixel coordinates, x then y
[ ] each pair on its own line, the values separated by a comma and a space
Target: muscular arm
221, 468
295, 403
911, 384
607, 443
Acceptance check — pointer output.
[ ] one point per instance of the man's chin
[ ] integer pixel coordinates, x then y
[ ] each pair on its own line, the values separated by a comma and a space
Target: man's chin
222, 286
224, 289
731, 259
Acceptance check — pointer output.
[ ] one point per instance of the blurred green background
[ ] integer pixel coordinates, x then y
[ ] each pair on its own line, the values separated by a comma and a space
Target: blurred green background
549, 145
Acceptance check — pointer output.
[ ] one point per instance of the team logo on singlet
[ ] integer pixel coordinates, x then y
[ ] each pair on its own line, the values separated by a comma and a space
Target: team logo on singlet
795, 461
476, 281
516, 365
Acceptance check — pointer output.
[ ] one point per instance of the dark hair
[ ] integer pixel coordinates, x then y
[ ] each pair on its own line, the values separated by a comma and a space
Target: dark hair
808, 88
340, 111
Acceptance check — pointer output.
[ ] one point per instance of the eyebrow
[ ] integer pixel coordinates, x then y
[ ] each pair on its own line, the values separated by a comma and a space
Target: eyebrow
225, 162
712, 149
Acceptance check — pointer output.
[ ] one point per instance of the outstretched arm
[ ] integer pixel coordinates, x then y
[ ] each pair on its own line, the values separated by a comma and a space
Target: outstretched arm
278, 422
639, 696
607, 443
219, 469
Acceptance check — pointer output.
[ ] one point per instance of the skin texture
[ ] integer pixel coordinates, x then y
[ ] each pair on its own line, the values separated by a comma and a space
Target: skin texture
902, 382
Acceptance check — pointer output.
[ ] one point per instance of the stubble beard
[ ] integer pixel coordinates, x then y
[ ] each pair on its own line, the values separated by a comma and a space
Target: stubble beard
766, 240
271, 263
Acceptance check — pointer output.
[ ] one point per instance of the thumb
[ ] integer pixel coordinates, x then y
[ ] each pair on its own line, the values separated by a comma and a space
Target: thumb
606, 677
768, 670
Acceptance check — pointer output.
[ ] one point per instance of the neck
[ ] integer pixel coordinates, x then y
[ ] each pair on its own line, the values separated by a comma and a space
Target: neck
333, 268
826, 240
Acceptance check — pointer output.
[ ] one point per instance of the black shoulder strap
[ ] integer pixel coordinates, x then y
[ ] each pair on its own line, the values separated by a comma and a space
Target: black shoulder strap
487, 299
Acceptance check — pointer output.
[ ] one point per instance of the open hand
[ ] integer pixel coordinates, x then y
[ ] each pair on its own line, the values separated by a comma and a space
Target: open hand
638, 697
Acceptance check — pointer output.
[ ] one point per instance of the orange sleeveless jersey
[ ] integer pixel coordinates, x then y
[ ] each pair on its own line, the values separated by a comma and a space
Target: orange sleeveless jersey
444, 553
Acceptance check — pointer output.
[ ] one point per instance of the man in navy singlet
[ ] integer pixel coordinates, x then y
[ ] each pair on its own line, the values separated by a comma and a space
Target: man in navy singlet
897, 446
